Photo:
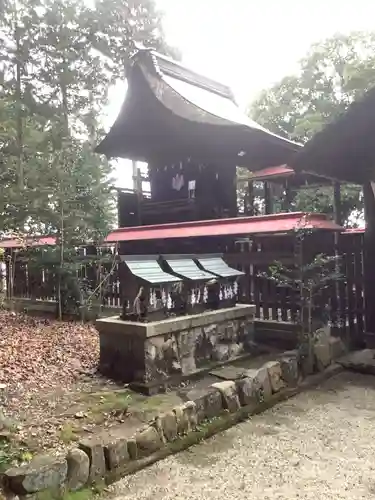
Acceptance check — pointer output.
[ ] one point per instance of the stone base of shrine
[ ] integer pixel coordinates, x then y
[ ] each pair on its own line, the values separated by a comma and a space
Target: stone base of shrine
153, 356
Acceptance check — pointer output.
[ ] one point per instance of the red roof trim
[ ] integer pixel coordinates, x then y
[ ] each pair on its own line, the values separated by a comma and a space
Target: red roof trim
279, 171
276, 223
28, 242
355, 230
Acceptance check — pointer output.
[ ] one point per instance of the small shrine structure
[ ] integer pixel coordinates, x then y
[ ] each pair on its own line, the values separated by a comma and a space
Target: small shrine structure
185, 289
193, 136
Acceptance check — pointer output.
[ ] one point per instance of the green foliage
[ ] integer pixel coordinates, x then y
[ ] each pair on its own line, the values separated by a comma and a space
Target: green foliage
58, 58
333, 74
12, 455
79, 281
308, 281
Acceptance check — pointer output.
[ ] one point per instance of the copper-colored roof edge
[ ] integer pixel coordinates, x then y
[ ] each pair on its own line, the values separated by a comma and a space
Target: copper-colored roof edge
254, 218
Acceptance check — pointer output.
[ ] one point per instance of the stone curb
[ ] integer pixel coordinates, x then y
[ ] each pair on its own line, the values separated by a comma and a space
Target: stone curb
209, 411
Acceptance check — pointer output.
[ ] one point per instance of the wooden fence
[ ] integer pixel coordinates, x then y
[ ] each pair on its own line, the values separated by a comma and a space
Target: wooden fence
23, 281
345, 299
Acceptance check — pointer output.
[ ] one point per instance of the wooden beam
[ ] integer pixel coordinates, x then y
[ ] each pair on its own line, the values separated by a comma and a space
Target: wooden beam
258, 258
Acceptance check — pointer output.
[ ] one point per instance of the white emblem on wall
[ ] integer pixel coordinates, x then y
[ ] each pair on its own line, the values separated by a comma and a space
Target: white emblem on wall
191, 189
178, 182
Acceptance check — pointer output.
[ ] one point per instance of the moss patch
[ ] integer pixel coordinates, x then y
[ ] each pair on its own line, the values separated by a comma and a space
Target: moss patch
107, 402
68, 433
13, 454
84, 494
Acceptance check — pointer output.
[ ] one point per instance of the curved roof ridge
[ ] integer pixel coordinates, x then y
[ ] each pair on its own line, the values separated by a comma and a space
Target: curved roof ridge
165, 65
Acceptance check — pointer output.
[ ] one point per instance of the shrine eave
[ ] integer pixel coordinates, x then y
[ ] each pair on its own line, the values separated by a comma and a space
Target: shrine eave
263, 224
282, 172
344, 150
170, 111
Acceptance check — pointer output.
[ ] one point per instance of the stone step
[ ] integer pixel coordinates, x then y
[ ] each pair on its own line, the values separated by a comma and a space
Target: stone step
360, 361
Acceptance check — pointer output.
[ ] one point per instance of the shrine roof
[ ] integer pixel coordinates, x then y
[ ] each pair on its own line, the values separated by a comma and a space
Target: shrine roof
263, 224
282, 172
171, 111
344, 149
147, 268
216, 265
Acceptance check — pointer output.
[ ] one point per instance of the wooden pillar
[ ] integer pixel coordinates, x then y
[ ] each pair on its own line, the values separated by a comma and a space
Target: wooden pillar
337, 310
267, 198
369, 260
250, 199
135, 175
287, 201
337, 209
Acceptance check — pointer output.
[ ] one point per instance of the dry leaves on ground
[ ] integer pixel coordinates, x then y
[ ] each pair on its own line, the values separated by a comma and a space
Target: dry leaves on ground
50, 392
42, 354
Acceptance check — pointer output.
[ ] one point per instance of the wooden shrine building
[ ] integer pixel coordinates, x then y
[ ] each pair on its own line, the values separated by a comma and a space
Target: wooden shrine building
192, 134
344, 150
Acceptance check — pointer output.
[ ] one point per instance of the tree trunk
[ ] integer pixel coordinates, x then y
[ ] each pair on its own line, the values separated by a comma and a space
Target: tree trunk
64, 135
19, 108
61, 266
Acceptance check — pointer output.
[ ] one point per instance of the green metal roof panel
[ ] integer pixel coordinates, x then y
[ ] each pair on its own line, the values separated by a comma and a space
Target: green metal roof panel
186, 267
215, 264
148, 269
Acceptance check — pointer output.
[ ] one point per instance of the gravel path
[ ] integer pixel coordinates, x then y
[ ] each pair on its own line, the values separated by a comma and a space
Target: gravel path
318, 445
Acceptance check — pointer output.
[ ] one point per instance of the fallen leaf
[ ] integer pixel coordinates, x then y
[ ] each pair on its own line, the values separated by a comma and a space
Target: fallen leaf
80, 414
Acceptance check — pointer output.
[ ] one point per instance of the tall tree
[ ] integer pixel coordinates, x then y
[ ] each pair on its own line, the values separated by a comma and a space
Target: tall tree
57, 62
331, 76
58, 58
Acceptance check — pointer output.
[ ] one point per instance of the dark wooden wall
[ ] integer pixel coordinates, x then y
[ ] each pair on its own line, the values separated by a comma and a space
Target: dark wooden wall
215, 184
345, 298
215, 195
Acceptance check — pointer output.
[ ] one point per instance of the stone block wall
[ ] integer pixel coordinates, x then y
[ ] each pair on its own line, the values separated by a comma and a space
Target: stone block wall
217, 406
151, 352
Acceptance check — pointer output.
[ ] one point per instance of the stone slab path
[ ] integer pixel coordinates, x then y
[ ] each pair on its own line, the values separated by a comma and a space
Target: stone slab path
318, 445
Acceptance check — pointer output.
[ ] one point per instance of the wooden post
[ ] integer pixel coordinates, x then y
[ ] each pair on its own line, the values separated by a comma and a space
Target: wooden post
369, 262
338, 312
267, 199
250, 199
138, 183
286, 205
135, 175
337, 209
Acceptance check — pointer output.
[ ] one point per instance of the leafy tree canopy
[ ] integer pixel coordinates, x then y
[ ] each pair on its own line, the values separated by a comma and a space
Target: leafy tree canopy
333, 74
